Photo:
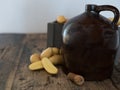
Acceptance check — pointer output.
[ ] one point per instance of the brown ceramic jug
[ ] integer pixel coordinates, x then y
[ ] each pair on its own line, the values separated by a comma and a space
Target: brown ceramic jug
90, 42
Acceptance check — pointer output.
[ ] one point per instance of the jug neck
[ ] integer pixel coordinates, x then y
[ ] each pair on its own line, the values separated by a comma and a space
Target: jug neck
90, 8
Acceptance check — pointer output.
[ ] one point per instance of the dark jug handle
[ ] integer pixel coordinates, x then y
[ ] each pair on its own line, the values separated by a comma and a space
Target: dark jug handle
98, 9
109, 8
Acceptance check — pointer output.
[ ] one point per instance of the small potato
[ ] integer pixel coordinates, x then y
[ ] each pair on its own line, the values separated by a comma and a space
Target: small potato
55, 50
47, 53
36, 65
118, 23
111, 19
61, 19
56, 59
48, 66
61, 51
77, 79
35, 57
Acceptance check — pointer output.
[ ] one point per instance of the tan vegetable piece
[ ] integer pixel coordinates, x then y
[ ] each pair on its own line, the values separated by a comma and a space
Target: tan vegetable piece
61, 51
48, 66
47, 53
56, 59
118, 23
61, 19
36, 65
35, 57
55, 50
77, 79
111, 19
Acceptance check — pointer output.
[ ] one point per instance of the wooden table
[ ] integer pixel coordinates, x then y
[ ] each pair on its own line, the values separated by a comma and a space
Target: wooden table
15, 50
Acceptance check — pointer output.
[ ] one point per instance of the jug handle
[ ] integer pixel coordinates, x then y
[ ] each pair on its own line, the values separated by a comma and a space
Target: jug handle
109, 8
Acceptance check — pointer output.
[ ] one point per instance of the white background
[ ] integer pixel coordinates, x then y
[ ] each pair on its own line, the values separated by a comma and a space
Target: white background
32, 16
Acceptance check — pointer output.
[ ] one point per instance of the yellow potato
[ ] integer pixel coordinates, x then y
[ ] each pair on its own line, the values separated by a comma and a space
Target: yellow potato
61, 19
47, 53
111, 19
77, 79
35, 57
118, 23
48, 66
61, 51
56, 59
55, 50
36, 66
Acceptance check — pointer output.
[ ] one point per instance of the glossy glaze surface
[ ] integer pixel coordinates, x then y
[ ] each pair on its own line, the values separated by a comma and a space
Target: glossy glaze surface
90, 42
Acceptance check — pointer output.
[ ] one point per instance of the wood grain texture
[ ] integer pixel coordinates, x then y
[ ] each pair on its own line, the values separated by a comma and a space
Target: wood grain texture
9, 51
15, 75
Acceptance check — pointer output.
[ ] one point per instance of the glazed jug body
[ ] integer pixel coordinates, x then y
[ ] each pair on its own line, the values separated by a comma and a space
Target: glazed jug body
90, 43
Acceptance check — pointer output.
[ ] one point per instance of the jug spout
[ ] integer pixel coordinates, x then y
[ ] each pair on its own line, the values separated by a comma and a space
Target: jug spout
90, 7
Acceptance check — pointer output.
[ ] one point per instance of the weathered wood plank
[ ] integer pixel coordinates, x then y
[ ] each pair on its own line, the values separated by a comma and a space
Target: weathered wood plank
8, 53
7, 63
11, 76
15, 75
10, 39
